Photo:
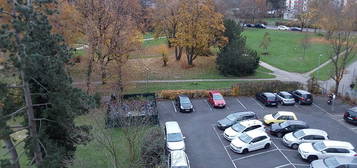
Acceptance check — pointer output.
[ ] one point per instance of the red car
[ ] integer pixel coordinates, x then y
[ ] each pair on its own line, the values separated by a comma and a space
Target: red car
216, 99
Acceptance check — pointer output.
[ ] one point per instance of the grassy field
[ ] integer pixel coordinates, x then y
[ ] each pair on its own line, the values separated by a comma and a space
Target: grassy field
285, 50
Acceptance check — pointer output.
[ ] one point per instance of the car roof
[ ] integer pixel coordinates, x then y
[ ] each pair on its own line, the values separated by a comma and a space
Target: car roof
178, 158
341, 144
248, 123
215, 92
295, 122
184, 96
286, 113
256, 133
303, 91
285, 93
244, 113
346, 159
353, 109
310, 131
172, 127
269, 94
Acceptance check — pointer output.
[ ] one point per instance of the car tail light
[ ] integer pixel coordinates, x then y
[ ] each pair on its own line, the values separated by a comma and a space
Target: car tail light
355, 118
355, 155
302, 98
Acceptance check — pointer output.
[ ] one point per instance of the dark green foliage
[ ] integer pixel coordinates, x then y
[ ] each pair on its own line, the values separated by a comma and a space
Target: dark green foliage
44, 57
253, 87
153, 148
235, 58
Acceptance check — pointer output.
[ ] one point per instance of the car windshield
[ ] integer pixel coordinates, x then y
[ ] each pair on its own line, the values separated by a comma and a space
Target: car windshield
331, 162
299, 134
185, 100
245, 138
284, 124
238, 127
353, 113
271, 98
174, 137
286, 96
231, 117
319, 146
275, 115
217, 97
307, 96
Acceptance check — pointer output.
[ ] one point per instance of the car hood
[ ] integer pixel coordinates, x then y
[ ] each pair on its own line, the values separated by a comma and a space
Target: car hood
269, 117
230, 132
219, 102
318, 163
186, 106
180, 145
307, 148
225, 122
275, 127
290, 137
238, 143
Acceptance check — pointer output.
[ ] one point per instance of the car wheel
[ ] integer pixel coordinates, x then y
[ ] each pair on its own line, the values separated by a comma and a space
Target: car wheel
245, 151
312, 158
267, 146
279, 134
294, 146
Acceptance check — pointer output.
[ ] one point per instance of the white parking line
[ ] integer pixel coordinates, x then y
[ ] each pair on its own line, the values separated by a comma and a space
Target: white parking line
257, 103
208, 105
299, 164
173, 105
283, 154
289, 150
245, 157
227, 108
355, 128
224, 148
282, 165
241, 104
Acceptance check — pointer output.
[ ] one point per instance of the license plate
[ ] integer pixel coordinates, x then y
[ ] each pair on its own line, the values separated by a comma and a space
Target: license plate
187, 109
307, 99
273, 104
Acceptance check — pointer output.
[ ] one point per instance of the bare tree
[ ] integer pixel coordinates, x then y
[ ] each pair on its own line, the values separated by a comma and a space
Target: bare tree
252, 9
305, 44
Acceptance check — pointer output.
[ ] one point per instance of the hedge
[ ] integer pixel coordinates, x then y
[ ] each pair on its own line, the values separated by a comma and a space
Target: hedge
172, 94
251, 88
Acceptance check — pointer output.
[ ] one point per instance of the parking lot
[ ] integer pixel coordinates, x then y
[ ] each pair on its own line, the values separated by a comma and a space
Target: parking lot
207, 148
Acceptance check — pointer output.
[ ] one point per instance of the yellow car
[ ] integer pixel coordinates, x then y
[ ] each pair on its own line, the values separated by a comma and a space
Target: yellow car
279, 117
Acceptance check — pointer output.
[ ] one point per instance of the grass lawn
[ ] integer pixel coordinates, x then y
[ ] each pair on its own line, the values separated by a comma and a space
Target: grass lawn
325, 72
272, 21
285, 51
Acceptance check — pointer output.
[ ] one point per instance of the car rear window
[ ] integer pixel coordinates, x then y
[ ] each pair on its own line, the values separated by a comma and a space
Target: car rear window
286, 96
308, 96
217, 97
272, 98
185, 100
353, 113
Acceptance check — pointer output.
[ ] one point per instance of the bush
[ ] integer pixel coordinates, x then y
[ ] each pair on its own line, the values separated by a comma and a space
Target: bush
251, 88
172, 94
153, 148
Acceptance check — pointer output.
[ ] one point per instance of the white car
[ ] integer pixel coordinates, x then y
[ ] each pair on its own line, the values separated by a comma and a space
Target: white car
241, 127
324, 149
294, 139
285, 98
178, 159
250, 141
173, 136
282, 27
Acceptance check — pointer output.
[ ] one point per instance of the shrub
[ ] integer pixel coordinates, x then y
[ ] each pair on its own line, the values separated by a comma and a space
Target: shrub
153, 148
251, 88
172, 94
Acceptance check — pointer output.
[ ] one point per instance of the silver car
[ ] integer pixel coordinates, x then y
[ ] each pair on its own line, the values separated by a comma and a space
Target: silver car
178, 159
285, 98
335, 162
294, 139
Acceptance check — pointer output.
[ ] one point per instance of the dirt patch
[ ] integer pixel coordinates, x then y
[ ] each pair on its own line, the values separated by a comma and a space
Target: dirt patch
320, 40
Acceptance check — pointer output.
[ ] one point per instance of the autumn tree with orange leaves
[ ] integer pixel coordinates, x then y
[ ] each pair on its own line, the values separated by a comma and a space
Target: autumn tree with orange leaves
200, 27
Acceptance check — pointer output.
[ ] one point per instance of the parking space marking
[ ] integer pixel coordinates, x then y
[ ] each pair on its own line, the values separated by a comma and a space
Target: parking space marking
283, 165
227, 107
283, 154
289, 150
257, 103
241, 104
215, 131
245, 157
299, 164
355, 128
209, 105
173, 105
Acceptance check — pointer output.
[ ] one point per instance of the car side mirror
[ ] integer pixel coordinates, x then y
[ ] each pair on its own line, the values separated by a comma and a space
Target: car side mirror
323, 152
183, 137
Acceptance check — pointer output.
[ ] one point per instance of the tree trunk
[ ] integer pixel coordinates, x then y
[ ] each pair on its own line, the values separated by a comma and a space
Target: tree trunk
120, 87
337, 86
178, 53
14, 158
103, 70
89, 72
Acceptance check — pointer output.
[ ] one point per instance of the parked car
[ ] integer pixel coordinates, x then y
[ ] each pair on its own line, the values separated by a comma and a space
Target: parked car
302, 96
351, 115
294, 139
216, 99
279, 117
260, 26
282, 27
178, 159
242, 127
285, 98
335, 162
280, 129
267, 98
324, 149
295, 29
249, 25
173, 136
183, 103
233, 118
250, 141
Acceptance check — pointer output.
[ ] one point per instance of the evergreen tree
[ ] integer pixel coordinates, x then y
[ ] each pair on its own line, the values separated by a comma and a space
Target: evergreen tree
235, 58
42, 58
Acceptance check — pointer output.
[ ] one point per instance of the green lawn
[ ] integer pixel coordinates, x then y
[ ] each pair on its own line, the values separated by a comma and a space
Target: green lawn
285, 51
272, 21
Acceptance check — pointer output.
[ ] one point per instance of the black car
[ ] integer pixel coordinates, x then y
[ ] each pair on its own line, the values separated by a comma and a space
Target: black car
249, 25
233, 118
267, 98
302, 97
260, 26
183, 103
350, 115
280, 129
295, 29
